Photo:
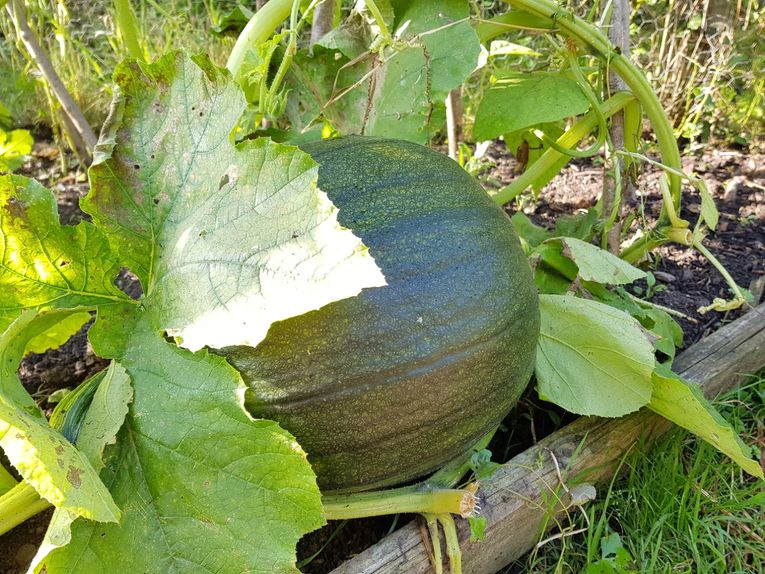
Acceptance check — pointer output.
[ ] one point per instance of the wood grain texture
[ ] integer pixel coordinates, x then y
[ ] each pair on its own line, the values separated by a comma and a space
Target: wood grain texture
518, 500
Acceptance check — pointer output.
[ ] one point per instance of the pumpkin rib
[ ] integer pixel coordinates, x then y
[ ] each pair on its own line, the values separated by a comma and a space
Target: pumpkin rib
388, 377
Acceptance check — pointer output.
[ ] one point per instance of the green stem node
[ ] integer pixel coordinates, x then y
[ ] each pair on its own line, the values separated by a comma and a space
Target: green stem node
681, 235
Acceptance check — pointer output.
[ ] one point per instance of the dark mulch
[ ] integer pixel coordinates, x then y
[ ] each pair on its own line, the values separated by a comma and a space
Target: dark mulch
686, 281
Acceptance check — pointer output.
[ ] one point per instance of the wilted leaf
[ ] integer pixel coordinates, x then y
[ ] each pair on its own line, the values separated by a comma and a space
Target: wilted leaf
409, 82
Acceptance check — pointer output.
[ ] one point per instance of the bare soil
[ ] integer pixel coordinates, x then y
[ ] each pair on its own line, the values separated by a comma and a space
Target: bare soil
685, 282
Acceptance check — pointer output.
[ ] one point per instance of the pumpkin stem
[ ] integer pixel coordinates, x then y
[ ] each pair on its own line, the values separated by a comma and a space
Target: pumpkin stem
417, 499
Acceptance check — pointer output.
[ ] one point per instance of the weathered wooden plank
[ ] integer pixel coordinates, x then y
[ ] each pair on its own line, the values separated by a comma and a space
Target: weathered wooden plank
519, 498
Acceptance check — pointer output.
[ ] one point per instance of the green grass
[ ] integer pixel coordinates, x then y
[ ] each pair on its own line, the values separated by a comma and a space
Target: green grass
681, 508
81, 39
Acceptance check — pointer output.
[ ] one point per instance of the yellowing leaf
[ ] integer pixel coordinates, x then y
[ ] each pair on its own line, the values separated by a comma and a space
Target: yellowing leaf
58, 334
58, 471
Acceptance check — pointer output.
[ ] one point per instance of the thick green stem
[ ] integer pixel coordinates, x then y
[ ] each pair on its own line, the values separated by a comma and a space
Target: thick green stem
486, 30
449, 475
595, 40
568, 140
398, 501
19, 504
7, 482
127, 26
651, 240
258, 30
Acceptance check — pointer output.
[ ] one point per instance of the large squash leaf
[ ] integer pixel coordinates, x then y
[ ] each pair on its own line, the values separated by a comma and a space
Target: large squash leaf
227, 239
202, 486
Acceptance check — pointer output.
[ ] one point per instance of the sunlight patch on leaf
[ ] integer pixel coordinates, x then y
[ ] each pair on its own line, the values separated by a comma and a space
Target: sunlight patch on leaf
44, 264
58, 334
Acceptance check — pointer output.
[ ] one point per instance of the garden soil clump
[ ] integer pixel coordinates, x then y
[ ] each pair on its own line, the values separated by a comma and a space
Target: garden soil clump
685, 281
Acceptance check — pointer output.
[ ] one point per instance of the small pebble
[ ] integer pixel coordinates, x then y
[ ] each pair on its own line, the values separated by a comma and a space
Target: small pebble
664, 276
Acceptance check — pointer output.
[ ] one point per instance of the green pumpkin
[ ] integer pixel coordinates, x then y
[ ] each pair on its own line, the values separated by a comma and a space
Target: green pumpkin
392, 384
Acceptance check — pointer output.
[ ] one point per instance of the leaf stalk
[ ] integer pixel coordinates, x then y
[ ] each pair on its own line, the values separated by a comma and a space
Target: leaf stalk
19, 504
417, 499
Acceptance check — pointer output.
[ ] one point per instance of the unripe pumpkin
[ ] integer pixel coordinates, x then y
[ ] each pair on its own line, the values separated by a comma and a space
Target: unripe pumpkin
392, 384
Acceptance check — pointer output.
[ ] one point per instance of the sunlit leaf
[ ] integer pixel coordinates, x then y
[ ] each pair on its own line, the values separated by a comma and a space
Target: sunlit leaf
44, 264
58, 471
225, 239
